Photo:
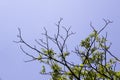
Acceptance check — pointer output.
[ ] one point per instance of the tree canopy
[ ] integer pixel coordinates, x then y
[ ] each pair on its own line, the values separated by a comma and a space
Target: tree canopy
92, 52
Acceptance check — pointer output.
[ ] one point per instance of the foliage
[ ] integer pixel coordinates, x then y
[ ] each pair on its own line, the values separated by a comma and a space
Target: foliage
93, 52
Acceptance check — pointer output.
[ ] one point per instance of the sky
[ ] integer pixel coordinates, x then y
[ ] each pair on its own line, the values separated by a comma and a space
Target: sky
32, 15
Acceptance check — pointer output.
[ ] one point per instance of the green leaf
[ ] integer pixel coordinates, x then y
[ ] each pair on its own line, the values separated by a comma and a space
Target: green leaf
93, 49
43, 70
66, 54
118, 74
40, 57
81, 65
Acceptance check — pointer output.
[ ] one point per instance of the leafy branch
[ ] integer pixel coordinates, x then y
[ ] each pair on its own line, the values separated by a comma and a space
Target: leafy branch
93, 55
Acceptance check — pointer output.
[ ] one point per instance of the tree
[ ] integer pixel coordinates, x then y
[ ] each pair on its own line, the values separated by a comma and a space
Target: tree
92, 52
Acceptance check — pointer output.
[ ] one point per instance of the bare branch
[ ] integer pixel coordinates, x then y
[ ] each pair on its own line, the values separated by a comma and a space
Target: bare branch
107, 22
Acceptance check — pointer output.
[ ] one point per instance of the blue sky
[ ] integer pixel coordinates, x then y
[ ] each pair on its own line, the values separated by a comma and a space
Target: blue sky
32, 15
